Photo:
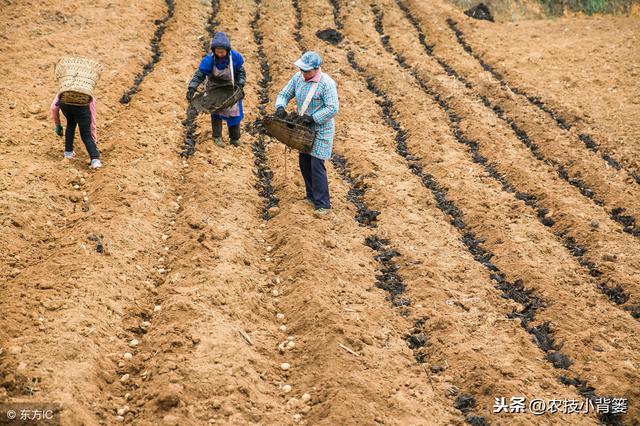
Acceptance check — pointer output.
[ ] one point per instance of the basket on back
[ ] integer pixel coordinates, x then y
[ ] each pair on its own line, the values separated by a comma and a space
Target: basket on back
294, 135
77, 78
217, 99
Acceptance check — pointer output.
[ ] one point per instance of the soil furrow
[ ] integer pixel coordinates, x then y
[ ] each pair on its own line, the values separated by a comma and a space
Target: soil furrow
200, 358
262, 171
390, 73
190, 124
579, 172
161, 27
31, 235
99, 272
312, 262
561, 122
547, 212
613, 290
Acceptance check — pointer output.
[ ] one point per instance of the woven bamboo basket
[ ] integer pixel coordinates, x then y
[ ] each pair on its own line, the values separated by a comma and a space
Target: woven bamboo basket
77, 78
217, 99
293, 135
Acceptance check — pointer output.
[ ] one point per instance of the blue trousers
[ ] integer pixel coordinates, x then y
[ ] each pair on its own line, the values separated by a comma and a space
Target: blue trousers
315, 180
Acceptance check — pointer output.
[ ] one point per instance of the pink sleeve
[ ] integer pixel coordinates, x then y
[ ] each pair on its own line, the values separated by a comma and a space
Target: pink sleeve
55, 110
92, 107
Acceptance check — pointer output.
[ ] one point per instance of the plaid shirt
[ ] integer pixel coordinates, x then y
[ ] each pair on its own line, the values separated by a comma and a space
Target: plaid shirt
323, 107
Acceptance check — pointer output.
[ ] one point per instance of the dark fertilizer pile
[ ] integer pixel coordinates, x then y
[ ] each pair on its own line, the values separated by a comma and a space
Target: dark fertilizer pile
480, 11
330, 36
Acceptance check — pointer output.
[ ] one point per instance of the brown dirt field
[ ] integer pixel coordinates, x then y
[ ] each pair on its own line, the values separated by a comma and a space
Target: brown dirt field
499, 265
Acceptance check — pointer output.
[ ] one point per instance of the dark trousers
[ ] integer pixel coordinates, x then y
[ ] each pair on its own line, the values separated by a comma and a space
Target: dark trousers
79, 116
315, 180
216, 126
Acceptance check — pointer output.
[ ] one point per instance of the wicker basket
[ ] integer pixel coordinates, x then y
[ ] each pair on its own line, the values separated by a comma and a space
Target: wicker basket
293, 135
217, 99
77, 78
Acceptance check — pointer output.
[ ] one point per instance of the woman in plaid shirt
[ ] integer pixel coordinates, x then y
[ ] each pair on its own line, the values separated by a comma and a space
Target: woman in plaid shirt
322, 107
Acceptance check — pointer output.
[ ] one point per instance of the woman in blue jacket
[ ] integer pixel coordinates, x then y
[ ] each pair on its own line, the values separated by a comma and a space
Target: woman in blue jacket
222, 66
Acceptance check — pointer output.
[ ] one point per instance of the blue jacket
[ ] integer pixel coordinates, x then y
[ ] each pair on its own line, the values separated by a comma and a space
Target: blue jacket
206, 68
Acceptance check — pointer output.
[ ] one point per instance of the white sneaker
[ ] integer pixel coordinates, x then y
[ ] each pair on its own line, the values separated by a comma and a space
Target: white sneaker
69, 155
96, 163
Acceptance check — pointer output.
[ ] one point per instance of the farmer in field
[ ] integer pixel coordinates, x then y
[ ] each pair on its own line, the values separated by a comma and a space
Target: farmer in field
317, 101
222, 66
77, 78
83, 117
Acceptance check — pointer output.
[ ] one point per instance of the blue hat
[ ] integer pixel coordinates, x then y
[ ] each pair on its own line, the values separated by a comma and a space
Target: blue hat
308, 61
220, 39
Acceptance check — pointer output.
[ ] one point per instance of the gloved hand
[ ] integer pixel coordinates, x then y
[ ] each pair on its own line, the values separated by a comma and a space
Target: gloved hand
58, 130
281, 113
190, 93
307, 120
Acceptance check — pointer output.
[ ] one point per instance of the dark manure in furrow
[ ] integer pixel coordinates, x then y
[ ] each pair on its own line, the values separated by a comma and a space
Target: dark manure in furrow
337, 17
629, 222
263, 173
357, 188
388, 278
298, 26
161, 26
189, 132
465, 403
189, 123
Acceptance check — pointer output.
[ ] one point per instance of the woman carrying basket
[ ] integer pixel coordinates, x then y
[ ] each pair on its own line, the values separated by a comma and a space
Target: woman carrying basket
223, 66
317, 99
77, 78
82, 116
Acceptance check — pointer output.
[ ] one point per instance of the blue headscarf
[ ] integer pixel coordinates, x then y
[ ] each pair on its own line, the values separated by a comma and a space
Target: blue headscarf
221, 40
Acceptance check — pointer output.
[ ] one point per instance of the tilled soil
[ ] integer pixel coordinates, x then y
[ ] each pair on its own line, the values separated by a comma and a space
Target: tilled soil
483, 240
